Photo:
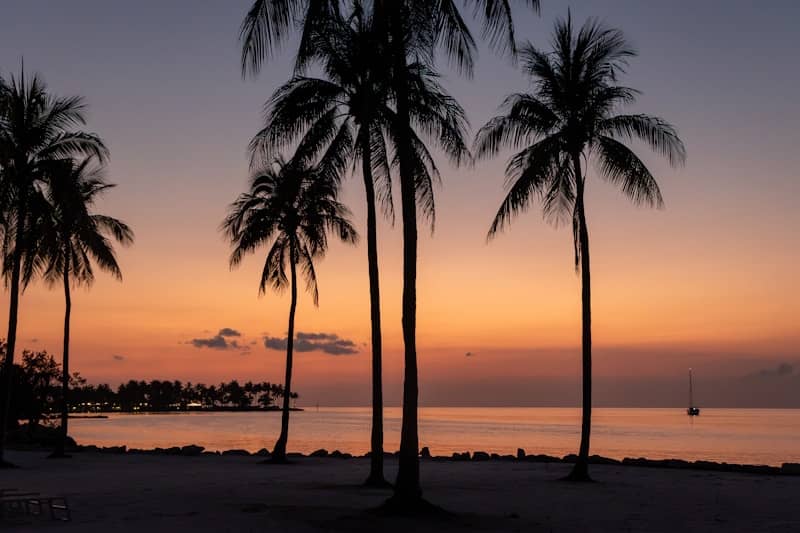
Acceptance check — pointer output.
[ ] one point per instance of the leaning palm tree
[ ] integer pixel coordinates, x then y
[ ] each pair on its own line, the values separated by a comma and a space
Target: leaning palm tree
350, 111
572, 117
36, 129
290, 207
69, 238
413, 30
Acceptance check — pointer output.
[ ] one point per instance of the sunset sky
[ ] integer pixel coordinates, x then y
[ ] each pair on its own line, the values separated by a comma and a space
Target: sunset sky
709, 282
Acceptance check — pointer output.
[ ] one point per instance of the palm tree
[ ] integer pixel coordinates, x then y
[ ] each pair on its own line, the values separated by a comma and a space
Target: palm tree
570, 118
36, 131
70, 238
290, 207
412, 30
350, 111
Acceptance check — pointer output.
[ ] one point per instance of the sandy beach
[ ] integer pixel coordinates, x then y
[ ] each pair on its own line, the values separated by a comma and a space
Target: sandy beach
131, 492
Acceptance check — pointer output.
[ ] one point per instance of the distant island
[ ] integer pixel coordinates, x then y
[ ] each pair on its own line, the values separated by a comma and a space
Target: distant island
37, 385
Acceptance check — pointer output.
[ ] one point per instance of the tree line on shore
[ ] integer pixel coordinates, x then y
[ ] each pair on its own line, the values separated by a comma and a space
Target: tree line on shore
36, 386
364, 98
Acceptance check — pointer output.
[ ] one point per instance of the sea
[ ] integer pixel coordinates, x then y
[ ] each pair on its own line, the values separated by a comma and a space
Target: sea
749, 436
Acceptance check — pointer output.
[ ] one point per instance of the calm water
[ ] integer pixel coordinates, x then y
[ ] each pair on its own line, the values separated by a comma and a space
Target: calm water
755, 436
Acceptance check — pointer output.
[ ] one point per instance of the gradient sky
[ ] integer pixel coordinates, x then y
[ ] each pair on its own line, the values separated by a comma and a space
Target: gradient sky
709, 282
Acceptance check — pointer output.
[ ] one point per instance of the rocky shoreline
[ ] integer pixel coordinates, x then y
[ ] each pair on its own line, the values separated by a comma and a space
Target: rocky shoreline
791, 469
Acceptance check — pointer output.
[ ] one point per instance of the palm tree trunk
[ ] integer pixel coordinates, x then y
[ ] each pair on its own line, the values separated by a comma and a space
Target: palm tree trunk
580, 471
279, 453
375, 477
407, 487
13, 312
62, 443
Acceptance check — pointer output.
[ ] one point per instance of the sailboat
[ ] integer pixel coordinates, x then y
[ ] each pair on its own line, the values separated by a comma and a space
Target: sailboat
692, 410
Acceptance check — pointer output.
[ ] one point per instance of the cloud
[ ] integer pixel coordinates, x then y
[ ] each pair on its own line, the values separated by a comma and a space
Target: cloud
783, 369
219, 341
328, 343
117, 357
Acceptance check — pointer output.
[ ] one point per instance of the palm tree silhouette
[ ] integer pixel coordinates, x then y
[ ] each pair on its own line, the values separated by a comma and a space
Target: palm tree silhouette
412, 30
351, 112
290, 207
36, 132
571, 118
69, 238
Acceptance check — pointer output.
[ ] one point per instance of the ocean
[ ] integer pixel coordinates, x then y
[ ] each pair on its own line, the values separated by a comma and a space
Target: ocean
751, 436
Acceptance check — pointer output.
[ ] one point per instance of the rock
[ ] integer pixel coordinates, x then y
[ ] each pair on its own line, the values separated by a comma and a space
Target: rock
319, 453
173, 450
793, 469
210, 453
89, 448
425, 453
600, 460
461, 456
295, 455
495, 456
263, 452
192, 449
340, 455
570, 458
240, 453
520, 454
114, 449
508, 457
480, 456
541, 458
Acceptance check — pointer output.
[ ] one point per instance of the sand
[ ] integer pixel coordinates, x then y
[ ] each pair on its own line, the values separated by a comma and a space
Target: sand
129, 492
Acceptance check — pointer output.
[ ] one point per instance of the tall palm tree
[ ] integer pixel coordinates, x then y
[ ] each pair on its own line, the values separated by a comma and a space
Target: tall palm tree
290, 207
351, 111
69, 238
412, 31
36, 129
571, 118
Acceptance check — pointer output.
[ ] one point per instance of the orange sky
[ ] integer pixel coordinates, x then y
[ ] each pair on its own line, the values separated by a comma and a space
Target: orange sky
708, 282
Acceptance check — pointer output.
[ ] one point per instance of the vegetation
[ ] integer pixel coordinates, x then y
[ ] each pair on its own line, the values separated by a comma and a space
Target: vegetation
570, 118
351, 111
38, 388
412, 32
70, 239
290, 207
37, 133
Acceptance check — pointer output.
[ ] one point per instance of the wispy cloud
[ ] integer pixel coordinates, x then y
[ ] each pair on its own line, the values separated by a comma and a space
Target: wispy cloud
220, 341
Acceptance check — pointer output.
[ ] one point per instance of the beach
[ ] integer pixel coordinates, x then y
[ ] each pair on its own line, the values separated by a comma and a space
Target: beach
136, 492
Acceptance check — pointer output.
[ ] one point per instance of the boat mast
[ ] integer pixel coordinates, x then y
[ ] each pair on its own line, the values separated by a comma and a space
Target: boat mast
691, 398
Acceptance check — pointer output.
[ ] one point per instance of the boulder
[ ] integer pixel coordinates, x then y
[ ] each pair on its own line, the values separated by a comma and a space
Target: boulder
793, 469
461, 456
240, 453
520, 454
263, 452
600, 460
425, 453
480, 456
192, 449
541, 458
114, 449
319, 453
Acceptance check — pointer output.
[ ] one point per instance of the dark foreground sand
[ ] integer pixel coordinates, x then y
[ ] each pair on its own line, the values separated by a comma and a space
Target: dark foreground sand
127, 492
